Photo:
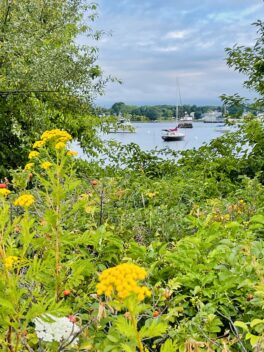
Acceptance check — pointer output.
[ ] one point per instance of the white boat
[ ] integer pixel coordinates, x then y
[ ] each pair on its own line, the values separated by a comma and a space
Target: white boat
172, 134
186, 121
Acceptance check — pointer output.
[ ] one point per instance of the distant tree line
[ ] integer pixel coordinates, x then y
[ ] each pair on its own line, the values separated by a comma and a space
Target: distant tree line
155, 112
166, 112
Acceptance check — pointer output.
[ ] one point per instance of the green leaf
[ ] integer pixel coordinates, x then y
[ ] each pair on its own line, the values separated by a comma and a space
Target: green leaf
153, 328
258, 219
241, 325
256, 322
168, 346
7, 304
127, 348
125, 327
112, 338
253, 339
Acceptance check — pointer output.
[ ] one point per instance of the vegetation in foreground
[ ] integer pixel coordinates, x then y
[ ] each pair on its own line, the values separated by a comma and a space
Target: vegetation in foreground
116, 260
157, 255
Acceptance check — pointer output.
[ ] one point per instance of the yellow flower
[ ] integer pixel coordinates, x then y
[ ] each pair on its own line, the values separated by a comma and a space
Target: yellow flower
38, 144
59, 145
4, 192
58, 135
26, 200
29, 166
72, 153
90, 209
121, 281
9, 261
46, 165
33, 154
151, 194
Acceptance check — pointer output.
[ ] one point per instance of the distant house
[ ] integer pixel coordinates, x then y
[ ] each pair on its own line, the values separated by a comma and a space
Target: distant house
212, 116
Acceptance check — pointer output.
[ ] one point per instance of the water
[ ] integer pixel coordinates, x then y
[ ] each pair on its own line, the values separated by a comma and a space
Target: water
148, 136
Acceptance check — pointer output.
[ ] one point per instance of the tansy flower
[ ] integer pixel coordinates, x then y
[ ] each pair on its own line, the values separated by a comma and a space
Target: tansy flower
29, 166
46, 165
33, 154
122, 281
38, 144
26, 200
60, 145
4, 192
72, 153
59, 135
9, 261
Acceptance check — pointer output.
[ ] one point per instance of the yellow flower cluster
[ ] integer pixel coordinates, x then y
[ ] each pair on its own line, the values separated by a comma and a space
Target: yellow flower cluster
59, 135
72, 153
38, 144
56, 135
4, 192
9, 261
26, 200
59, 145
33, 154
29, 166
121, 281
46, 165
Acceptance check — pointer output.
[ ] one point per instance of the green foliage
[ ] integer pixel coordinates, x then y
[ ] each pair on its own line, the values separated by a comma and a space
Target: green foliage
249, 61
196, 226
46, 78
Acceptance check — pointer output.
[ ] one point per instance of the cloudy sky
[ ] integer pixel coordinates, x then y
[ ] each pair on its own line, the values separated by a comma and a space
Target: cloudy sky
155, 43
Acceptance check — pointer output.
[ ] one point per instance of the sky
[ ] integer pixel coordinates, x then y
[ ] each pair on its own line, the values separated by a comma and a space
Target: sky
153, 44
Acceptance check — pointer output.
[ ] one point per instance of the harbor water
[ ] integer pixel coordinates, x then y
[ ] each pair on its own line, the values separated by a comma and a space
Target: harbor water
148, 136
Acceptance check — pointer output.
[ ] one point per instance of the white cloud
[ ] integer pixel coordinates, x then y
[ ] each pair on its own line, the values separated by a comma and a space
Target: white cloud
155, 41
167, 49
176, 34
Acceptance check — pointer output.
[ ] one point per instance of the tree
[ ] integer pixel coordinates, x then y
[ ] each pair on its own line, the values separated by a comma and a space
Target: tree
250, 62
46, 78
118, 108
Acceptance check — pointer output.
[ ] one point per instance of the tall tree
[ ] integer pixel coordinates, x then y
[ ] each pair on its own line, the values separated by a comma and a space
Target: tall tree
47, 79
250, 62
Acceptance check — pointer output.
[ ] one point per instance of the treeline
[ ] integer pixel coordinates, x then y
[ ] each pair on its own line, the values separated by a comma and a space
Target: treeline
155, 112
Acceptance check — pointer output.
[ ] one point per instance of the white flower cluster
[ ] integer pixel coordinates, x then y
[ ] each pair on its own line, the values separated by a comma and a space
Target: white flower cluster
59, 329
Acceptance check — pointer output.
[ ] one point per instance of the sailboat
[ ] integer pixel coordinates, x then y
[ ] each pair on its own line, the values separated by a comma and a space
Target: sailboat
173, 134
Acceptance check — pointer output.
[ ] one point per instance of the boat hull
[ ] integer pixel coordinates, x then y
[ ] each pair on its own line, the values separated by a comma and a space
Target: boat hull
172, 138
185, 125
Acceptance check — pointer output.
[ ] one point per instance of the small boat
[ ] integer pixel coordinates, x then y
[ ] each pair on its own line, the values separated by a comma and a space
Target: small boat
186, 121
172, 134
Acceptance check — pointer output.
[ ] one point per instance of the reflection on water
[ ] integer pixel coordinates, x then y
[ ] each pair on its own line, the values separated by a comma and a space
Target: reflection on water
148, 136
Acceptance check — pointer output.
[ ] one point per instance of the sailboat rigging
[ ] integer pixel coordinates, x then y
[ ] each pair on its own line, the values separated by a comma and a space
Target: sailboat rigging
173, 134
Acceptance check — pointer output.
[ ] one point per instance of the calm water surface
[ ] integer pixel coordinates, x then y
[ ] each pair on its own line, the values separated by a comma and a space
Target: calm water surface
148, 136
